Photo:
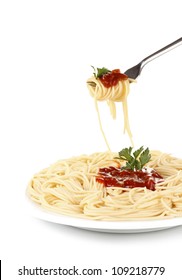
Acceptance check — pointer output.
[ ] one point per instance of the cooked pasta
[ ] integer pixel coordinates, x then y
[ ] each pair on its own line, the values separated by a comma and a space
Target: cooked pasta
117, 93
69, 187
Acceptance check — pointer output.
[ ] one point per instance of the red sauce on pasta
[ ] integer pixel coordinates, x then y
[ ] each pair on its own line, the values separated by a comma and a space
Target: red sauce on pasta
116, 177
112, 78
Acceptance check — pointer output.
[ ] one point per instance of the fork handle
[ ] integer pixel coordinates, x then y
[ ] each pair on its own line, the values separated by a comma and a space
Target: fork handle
161, 51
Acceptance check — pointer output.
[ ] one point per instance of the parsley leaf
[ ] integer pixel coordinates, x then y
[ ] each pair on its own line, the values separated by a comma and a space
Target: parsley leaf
99, 72
144, 157
137, 152
135, 160
126, 154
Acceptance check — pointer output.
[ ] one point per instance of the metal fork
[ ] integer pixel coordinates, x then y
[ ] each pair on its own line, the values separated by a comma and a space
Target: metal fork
135, 71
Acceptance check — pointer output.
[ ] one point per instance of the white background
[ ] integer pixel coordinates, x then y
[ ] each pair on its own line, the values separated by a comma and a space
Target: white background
46, 113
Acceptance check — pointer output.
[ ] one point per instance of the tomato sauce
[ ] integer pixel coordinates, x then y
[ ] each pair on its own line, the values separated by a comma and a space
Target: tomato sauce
112, 78
125, 178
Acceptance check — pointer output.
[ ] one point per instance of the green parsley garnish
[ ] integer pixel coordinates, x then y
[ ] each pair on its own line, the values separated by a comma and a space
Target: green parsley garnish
99, 72
134, 160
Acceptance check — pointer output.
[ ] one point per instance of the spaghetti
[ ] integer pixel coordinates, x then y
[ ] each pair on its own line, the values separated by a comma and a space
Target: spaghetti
112, 94
69, 187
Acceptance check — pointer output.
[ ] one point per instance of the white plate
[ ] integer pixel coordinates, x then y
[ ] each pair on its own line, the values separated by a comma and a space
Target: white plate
103, 226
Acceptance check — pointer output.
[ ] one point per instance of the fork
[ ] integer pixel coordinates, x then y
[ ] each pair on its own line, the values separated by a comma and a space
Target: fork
135, 71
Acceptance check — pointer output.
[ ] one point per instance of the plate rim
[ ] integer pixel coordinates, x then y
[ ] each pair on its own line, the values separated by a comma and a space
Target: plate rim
39, 212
